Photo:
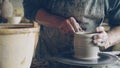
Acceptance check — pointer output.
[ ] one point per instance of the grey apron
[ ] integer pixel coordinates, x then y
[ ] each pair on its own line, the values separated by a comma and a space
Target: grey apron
87, 13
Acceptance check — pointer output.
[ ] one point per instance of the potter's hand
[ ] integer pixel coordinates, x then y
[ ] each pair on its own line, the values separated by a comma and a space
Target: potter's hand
69, 26
101, 39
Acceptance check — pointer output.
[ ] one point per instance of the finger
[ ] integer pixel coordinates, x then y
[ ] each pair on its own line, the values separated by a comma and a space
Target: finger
74, 23
100, 35
69, 27
98, 42
100, 29
79, 28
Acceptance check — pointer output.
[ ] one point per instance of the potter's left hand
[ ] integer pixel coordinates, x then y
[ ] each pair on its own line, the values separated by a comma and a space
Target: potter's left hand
101, 39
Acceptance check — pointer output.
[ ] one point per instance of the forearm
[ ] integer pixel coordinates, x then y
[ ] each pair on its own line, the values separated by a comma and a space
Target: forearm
46, 19
114, 35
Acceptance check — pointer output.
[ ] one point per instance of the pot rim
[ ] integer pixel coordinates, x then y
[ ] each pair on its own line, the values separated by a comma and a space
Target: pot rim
7, 29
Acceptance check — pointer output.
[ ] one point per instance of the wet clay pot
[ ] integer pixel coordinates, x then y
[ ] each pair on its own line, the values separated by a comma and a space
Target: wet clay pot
84, 48
17, 43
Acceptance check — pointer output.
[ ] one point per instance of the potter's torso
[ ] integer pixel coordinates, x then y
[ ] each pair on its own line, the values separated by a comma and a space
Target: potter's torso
87, 12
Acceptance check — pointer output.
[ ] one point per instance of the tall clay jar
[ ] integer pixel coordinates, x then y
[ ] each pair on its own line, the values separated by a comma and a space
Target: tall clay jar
17, 45
6, 9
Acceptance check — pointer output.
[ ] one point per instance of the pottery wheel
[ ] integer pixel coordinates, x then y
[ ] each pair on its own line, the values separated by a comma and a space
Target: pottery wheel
68, 58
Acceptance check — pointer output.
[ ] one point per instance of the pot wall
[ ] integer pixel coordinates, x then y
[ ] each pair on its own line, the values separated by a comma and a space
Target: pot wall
17, 49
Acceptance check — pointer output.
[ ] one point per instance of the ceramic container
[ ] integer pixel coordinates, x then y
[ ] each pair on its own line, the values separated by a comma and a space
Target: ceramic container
17, 45
14, 20
84, 48
6, 9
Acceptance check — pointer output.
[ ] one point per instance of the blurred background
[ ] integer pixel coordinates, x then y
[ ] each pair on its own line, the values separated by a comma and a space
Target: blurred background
18, 8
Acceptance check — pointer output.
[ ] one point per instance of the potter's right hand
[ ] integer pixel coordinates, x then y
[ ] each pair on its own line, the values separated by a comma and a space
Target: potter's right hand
101, 39
69, 26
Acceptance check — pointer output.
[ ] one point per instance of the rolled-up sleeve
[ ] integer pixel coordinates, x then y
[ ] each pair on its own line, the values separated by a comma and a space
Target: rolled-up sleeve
113, 12
31, 7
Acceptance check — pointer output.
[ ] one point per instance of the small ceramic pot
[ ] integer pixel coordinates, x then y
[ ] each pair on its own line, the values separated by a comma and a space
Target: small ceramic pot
83, 46
14, 20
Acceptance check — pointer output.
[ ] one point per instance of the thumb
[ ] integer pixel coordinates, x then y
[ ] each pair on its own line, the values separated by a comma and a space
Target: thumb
100, 29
